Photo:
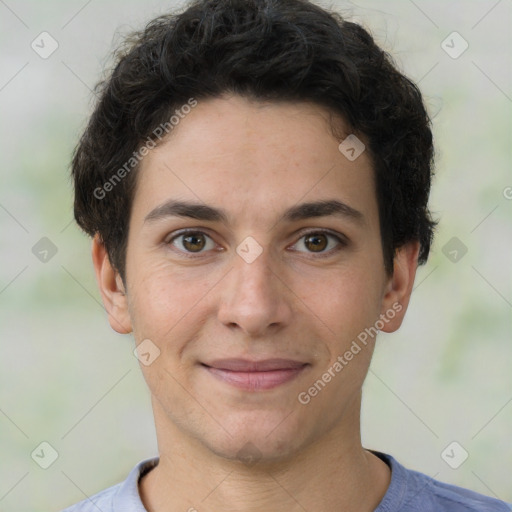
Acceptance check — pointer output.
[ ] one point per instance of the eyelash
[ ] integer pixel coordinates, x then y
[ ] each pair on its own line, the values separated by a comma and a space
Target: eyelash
342, 241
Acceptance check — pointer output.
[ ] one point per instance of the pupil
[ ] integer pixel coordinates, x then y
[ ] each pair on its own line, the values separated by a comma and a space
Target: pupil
193, 243
318, 242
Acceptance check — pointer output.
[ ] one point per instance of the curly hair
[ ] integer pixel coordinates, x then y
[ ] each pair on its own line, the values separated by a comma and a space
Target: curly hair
268, 50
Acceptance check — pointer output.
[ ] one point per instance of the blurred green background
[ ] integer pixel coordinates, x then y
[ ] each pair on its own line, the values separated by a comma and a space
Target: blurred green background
66, 378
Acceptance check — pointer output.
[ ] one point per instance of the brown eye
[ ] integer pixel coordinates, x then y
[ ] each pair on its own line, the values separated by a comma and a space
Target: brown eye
320, 242
194, 242
190, 242
316, 242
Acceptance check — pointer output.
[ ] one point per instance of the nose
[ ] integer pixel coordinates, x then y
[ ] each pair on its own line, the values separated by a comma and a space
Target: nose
255, 298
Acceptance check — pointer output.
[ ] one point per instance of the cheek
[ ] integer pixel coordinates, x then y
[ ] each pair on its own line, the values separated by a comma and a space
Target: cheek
164, 300
344, 303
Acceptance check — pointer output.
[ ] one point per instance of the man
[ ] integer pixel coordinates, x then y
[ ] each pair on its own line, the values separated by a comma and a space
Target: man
255, 178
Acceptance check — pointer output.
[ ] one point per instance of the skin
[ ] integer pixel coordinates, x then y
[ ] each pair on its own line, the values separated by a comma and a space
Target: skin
255, 161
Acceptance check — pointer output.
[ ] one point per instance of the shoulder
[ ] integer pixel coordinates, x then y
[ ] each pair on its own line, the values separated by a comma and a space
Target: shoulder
122, 496
103, 501
457, 499
412, 491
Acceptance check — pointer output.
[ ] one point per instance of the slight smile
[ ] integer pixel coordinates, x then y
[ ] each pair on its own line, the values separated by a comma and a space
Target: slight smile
255, 375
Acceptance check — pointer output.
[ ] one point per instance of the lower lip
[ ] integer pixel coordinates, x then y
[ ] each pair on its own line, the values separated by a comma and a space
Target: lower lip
255, 381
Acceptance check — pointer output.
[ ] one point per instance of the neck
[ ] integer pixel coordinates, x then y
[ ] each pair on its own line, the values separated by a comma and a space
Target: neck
333, 473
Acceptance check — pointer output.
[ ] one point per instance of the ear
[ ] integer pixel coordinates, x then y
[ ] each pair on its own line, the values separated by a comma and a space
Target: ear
399, 287
111, 288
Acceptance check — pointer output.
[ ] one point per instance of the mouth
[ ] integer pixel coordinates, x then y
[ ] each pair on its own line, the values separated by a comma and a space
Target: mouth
255, 375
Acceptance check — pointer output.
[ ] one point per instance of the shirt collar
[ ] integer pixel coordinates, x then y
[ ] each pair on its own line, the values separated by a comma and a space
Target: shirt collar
127, 499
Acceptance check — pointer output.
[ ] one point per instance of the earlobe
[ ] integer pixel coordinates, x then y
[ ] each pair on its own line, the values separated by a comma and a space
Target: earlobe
111, 288
399, 286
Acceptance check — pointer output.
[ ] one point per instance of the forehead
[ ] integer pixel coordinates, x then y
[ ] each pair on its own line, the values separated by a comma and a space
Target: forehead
253, 158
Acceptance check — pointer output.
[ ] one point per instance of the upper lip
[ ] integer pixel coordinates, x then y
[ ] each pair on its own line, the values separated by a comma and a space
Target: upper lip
246, 365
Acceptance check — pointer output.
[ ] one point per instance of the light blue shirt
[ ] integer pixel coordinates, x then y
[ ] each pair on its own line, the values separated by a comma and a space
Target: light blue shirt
409, 491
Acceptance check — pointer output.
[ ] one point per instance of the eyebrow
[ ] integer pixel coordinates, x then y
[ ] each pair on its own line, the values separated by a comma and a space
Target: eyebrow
198, 211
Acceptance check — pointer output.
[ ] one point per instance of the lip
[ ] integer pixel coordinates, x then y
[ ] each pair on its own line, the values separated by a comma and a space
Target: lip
246, 365
255, 375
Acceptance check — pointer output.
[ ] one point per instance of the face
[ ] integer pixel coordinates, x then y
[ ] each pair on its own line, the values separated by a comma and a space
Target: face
253, 238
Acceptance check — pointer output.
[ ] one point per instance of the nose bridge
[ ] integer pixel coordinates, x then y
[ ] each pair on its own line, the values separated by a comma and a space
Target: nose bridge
254, 298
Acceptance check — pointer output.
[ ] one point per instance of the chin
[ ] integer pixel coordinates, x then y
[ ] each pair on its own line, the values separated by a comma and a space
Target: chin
256, 441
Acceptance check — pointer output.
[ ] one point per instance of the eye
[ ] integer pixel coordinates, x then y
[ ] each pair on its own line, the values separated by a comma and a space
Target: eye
320, 242
191, 242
